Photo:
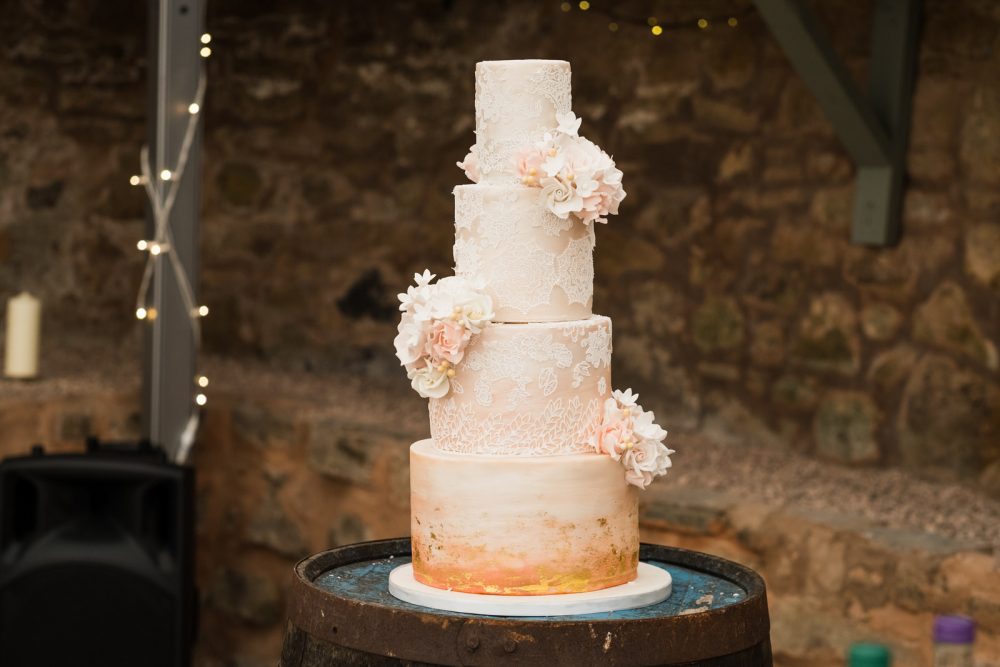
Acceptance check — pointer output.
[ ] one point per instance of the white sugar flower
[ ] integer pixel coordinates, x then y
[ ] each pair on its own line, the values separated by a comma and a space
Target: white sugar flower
553, 164
477, 312
568, 123
625, 398
640, 462
430, 381
559, 196
410, 342
644, 427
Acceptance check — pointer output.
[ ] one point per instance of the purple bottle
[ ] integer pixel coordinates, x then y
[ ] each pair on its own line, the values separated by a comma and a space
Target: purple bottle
953, 638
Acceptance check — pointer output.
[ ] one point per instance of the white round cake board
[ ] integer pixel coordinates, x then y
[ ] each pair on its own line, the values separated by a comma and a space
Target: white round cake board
651, 586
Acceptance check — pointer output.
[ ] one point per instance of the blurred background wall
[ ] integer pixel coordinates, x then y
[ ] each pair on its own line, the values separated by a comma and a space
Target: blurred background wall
742, 314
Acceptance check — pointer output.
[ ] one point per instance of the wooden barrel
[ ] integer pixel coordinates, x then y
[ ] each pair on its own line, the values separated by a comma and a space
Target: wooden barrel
341, 613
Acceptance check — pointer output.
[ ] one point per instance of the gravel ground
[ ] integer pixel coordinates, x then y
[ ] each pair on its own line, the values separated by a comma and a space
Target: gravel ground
889, 498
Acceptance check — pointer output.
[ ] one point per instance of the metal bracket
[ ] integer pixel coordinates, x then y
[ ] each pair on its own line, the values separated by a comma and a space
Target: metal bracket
873, 129
175, 29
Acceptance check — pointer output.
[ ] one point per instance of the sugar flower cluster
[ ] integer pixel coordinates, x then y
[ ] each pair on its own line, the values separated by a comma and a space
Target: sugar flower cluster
574, 175
628, 434
438, 322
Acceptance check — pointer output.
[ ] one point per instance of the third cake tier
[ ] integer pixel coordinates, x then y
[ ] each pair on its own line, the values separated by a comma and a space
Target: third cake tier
532, 389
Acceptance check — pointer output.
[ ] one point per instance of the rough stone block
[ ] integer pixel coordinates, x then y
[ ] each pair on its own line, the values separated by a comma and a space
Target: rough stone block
347, 451
689, 511
845, 427
264, 425
271, 527
946, 320
247, 596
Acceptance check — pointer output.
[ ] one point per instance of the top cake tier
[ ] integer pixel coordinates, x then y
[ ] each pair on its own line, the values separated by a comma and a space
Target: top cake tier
516, 104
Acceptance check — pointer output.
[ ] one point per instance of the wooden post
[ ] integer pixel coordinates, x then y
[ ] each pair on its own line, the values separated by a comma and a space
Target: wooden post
873, 128
175, 29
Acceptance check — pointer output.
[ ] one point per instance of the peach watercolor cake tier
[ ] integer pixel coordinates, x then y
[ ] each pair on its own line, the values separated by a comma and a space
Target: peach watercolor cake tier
517, 525
529, 484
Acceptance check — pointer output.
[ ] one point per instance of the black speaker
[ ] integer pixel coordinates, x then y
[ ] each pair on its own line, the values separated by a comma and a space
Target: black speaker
96, 559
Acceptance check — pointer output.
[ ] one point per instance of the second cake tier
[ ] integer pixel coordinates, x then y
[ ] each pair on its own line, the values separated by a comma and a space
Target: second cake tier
532, 389
536, 266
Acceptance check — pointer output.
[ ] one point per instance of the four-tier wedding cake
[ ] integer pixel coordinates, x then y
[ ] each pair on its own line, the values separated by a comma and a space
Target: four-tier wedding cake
529, 482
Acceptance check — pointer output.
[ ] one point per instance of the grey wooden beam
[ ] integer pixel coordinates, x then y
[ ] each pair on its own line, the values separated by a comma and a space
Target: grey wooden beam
873, 128
175, 29
805, 42
895, 27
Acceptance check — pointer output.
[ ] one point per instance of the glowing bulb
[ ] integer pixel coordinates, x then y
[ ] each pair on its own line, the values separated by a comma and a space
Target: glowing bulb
202, 381
732, 22
155, 249
193, 108
205, 38
613, 27
165, 175
201, 399
202, 311
702, 23
565, 6
141, 313
205, 52
656, 30
142, 244
584, 5
134, 180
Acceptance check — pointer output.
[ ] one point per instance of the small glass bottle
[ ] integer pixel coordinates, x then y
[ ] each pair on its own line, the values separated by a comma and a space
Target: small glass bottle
869, 655
953, 638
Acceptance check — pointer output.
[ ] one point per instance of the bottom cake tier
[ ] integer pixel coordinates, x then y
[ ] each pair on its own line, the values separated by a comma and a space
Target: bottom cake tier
512, 525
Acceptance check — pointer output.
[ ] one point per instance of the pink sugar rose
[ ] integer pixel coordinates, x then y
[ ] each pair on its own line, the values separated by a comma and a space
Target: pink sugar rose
470, 165
641, 462
447, 341
609, 438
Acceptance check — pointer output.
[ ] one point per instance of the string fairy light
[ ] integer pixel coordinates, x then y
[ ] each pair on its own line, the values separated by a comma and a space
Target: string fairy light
162, 193
657, 26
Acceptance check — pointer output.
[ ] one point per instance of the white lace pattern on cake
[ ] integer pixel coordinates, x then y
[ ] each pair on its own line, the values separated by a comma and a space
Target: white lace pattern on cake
527, 389
524, 253
516, 103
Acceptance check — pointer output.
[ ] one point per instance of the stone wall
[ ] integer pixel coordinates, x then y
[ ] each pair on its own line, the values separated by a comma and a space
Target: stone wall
741, 309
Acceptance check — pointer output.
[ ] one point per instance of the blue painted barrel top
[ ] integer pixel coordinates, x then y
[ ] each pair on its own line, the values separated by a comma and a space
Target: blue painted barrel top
693, 591
341, 612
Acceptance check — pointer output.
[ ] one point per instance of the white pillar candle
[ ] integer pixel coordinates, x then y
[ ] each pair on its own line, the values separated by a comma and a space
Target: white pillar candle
24, 318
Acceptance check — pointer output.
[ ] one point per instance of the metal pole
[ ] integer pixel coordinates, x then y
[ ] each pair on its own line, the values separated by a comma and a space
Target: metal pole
175, 29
